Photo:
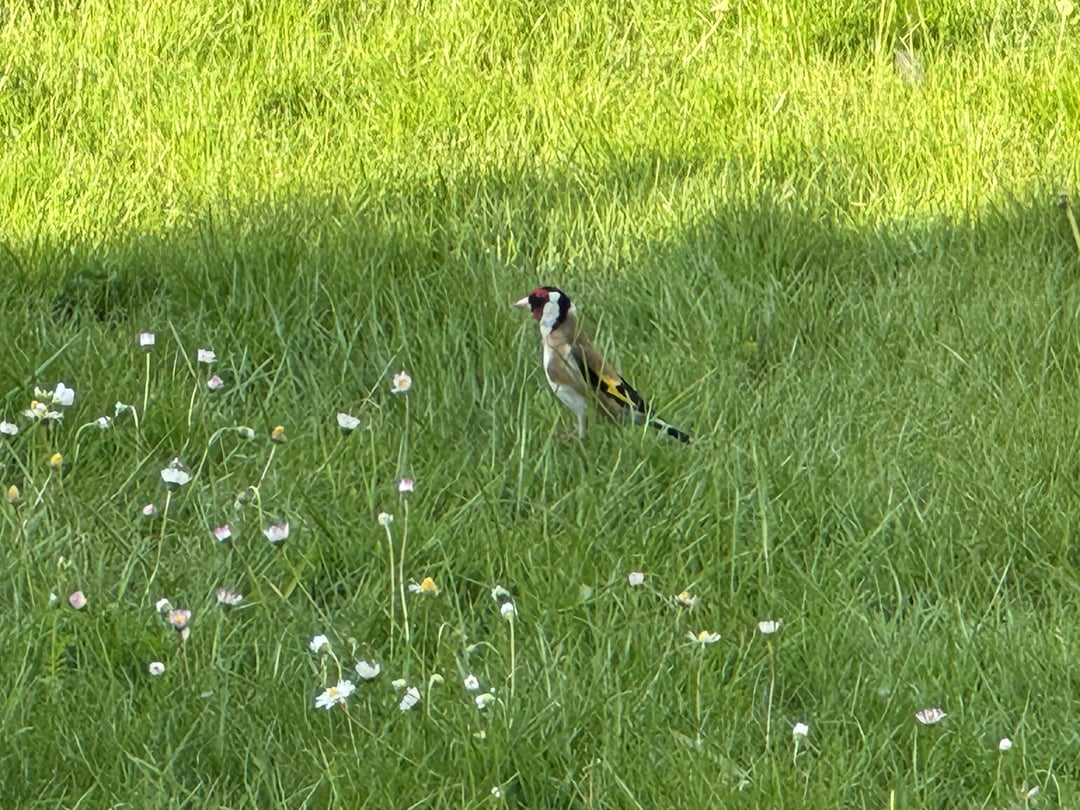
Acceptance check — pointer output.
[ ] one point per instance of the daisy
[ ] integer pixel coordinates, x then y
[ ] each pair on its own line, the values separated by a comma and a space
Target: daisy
104, 422
319, 644
347, 423
215, 383
703, 638
767, 628
14, 496
228, 598
178, 618
223, 533
385, 519
402, 383
162, 605
156, 668
1005, 744
800, 731
8, 428
484, 699
335, 695
277, 533
174, 475
472, 683
409, 699
40, 412
61, 395
149, 511
77, 600
277, 435
684, 599
930, 717
427, 587
405, 486
368, 670
56, 461
206, 356
146, 341
635, 578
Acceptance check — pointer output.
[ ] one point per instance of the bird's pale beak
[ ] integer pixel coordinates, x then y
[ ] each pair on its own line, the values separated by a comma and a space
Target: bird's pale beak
523, 303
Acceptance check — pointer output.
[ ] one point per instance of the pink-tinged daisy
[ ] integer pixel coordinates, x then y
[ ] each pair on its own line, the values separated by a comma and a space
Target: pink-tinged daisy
156, 668
228, 598
8, 428
767, 628
178, 618
335, 695
405, 486
347, 423
277, 533
635, 578
930, 717
206, 356
222, 534
215, 383
149, 511
427, 587
368, 670
402, 383
409, 699
77, 600
146, 341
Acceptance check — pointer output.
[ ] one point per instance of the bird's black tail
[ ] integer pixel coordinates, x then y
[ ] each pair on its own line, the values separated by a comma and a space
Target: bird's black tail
673, 432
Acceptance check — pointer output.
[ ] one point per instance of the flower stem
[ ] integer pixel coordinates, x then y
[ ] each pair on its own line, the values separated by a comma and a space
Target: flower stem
393, 590
401, 571
146, 386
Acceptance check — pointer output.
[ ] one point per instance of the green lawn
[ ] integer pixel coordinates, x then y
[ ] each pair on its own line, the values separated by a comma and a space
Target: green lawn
845, 272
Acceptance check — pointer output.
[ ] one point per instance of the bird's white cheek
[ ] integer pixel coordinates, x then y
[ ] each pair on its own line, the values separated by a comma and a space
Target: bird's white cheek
549, 317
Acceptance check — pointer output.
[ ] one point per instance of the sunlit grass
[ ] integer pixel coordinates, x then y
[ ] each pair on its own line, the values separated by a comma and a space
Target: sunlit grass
852, 283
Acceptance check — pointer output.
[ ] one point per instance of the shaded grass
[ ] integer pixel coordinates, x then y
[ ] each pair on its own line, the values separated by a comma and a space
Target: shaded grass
855, 292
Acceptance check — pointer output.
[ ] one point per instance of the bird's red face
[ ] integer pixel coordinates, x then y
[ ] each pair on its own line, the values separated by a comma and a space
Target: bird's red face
536, 301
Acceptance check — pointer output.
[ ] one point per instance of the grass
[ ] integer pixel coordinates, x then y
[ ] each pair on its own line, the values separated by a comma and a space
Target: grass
856, 290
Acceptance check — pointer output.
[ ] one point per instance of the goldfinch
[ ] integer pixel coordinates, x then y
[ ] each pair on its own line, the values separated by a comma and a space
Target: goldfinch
573, 366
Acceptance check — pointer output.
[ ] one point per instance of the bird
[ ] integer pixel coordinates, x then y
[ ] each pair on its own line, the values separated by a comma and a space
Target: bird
574, 367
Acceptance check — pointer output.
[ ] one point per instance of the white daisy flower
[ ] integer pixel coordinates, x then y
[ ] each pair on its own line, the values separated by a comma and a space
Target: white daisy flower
368, 670
174, 475
800, 731
146, 341
206, 356
215, 383
1004, 744
156, 668
472, 683
277, 533
402, 383
347, 423
767, 628
385, 519
930, 717
484, 699
409, 699
335, 695
703, 638
9, 428
635, 578
319, 643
